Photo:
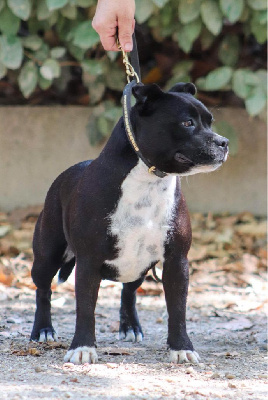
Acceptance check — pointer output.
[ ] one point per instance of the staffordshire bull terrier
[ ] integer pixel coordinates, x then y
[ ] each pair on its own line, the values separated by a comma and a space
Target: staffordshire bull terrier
115, 220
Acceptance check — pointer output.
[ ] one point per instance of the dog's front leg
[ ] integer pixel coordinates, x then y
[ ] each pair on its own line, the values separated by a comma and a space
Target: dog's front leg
87, 283
175, 282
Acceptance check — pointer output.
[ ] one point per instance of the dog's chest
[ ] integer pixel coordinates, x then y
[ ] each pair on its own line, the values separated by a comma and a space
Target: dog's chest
141, 222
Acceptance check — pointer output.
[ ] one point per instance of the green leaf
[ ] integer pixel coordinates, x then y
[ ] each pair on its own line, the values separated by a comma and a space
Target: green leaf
206, 39
50, 69
242, 82
180, 73
57, 52
112, 55
223, 128
258, 28
28, 78
107, 120
144, 9
115, 78
42, 53
69, 11
189, 10
188, 34
84, 36
11, 52
42, 10
21, 8
43, 83
211, 16
256, 102
32, 42
182, 68
56, 4
76, 51
232, 9
216, 79
53, 18
2, 4
262, 76
229, 50
96, 90
3, 70
9, 23
257, 4
160, 3
93, 67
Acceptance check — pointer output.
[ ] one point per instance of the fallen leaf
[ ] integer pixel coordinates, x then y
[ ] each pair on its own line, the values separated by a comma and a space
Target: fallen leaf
118, 352
7, 275
237, 324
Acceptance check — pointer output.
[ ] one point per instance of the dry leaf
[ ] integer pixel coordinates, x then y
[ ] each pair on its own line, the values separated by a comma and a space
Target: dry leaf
237, 324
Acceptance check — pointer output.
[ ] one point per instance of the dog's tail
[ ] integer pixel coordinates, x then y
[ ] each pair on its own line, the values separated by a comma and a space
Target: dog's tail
66, 270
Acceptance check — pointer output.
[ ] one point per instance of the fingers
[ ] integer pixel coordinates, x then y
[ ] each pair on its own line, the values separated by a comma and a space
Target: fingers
107, 33
125, 31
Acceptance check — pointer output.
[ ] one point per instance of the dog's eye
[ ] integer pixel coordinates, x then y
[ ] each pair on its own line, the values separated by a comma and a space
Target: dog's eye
187, 123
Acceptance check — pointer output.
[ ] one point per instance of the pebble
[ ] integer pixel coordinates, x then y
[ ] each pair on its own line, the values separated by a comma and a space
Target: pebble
11, 321
102, 329
112, 365
189, 370
159, 320
212, 366
265, 376
229, 376
38, 369
215, 376
67, 395
264, 346
231, 385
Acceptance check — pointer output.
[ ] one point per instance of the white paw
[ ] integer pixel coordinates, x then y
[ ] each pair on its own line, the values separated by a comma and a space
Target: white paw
82, 355
48, 336
184, 356
130, 336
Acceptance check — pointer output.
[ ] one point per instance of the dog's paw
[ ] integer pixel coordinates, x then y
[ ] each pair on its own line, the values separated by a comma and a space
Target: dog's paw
130, 336
184, 356
82, 355
45, 335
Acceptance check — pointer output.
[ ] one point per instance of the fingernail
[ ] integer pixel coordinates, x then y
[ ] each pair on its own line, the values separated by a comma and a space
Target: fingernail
128, 47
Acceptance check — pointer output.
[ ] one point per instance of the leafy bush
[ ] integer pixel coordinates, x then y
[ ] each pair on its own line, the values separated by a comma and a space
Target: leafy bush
44, 43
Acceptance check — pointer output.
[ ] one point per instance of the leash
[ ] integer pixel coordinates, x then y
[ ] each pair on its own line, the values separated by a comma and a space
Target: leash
134, 78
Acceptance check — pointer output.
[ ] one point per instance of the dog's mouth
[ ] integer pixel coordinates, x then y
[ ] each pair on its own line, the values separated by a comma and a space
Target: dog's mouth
187, 162
182, 159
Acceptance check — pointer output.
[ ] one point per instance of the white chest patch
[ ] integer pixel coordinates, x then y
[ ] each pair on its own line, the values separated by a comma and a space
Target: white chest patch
141, 221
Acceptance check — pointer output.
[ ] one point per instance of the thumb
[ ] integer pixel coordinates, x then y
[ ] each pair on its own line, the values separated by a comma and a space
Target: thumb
125, 30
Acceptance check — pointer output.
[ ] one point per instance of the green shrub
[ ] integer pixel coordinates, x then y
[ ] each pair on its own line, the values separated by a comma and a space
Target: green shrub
41, 39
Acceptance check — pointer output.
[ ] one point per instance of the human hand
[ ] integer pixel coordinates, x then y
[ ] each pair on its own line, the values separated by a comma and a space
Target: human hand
113, 15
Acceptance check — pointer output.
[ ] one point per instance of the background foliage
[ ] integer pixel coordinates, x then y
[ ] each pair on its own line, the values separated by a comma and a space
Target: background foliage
49, 50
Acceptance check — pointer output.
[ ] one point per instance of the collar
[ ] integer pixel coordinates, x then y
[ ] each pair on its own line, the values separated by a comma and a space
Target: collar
127, 93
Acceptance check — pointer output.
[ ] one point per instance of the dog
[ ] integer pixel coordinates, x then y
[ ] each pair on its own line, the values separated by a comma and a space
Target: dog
115, 220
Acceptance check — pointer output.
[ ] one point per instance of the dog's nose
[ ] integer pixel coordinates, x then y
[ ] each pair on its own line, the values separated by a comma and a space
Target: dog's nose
221, 141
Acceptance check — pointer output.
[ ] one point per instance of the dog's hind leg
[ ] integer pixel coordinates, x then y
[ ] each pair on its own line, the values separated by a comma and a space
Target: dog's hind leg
130, 328
49, 246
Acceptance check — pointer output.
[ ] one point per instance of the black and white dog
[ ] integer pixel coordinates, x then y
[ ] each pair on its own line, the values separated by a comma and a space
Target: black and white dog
115, 221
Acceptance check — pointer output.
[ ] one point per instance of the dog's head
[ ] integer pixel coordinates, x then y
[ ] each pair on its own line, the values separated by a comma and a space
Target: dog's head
174, 132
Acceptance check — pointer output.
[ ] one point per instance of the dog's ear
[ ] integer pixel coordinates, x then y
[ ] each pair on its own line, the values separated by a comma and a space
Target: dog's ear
146, 92
184, 88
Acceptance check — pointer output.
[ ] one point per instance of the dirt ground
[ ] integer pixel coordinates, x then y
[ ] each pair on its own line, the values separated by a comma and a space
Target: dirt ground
226, 323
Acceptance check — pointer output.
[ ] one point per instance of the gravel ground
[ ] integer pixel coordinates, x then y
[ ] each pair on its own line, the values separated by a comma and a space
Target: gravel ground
226, 325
